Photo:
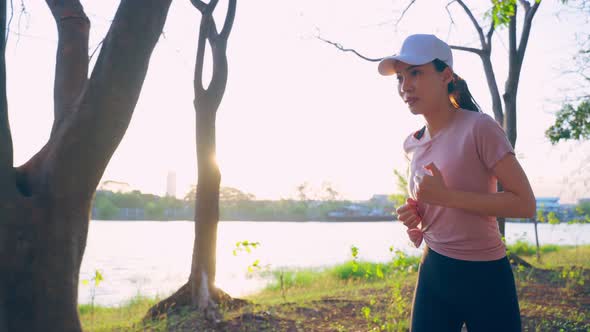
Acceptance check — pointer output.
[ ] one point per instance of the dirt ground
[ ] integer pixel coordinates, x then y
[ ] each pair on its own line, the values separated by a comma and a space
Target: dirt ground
548, 303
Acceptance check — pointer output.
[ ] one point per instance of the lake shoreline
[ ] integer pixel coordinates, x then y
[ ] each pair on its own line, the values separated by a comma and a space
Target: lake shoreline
155, 257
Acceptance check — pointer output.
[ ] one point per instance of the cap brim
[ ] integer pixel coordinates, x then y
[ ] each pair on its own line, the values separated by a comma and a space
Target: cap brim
386, 66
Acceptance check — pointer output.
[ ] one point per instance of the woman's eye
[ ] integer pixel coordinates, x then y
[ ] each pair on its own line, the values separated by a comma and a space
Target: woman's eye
415, 72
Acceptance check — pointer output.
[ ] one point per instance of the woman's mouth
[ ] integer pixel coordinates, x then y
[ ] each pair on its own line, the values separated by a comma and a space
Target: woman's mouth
411, 101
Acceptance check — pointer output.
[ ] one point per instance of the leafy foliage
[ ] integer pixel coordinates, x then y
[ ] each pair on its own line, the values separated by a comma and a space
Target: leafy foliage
571, 123
502, 12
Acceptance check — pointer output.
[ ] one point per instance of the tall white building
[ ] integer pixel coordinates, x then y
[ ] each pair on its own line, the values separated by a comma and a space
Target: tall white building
171, 184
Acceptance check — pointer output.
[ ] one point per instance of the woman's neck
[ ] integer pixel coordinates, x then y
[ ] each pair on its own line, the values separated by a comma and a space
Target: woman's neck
436, 121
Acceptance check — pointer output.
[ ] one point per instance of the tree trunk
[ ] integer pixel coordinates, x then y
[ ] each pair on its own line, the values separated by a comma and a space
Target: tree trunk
45, 204
206, 210
537, 240
201, 284
502, 226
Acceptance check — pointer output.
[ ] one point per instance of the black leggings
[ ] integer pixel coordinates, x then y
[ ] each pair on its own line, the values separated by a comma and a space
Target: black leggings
450, 292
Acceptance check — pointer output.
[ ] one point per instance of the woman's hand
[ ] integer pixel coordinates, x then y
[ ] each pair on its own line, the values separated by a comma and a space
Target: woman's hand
431, 188
416, 236
408, 214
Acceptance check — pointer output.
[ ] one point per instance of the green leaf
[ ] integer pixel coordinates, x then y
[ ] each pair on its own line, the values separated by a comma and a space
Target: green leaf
97, 278
355, 251
571, 123
366, 312
379, 272
552, 218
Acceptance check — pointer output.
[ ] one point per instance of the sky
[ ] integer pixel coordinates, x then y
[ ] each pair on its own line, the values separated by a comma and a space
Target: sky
296, 110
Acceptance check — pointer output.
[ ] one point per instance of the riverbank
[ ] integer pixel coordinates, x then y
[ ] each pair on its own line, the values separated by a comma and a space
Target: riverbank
554, 295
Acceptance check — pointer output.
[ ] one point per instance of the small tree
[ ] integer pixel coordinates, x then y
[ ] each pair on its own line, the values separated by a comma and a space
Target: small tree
200, 290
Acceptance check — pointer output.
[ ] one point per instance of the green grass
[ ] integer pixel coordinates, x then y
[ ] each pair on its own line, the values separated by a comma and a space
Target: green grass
578, 255
307, 284
553, 256
527, 249
311, 284
124, 317
352, 281
294, 278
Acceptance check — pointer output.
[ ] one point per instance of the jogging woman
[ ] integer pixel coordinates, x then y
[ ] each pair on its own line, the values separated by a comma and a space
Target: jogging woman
456, 160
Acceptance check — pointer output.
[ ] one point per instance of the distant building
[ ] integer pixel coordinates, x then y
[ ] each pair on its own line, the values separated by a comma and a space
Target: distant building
171, 184
360, 212
564, 212
114, 186
548, 204
381, 199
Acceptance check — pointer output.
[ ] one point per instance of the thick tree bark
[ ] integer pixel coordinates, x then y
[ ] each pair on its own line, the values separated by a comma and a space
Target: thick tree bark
71, 65
46, 202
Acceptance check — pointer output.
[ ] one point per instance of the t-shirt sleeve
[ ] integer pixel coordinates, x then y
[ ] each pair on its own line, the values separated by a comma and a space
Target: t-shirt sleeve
491, 141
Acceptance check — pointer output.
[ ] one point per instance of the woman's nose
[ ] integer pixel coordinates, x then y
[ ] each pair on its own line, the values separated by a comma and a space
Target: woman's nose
406, 85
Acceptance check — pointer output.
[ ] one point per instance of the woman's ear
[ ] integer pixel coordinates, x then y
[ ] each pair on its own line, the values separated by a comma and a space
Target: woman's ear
447, 75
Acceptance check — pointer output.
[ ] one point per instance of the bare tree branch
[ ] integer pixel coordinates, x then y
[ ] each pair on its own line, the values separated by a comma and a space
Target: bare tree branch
95, 49
211, 7
23, 11
213, 94
512, 48
468, 49
526, 28
229, 20
489, 36
340, 47
203, 34
216, 89
525, 4
404, 13
511, 85
6, 148
450, 18
219, 53
475, 24
85, 142
71, 69
213, 34
9, 22
449, 12
200, 5
493, 87
204, 8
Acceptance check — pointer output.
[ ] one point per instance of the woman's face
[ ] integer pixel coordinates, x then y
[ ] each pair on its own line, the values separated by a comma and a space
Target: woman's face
422, 87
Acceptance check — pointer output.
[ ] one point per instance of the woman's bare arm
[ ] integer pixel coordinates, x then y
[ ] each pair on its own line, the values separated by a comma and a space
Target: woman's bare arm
516, 201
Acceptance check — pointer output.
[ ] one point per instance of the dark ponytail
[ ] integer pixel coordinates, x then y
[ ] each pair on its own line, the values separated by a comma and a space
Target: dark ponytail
459, 94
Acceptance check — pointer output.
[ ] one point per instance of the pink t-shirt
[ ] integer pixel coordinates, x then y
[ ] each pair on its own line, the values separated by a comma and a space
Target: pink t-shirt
465, 152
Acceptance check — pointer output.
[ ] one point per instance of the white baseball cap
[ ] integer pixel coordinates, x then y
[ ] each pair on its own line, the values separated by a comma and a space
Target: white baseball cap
417, 50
